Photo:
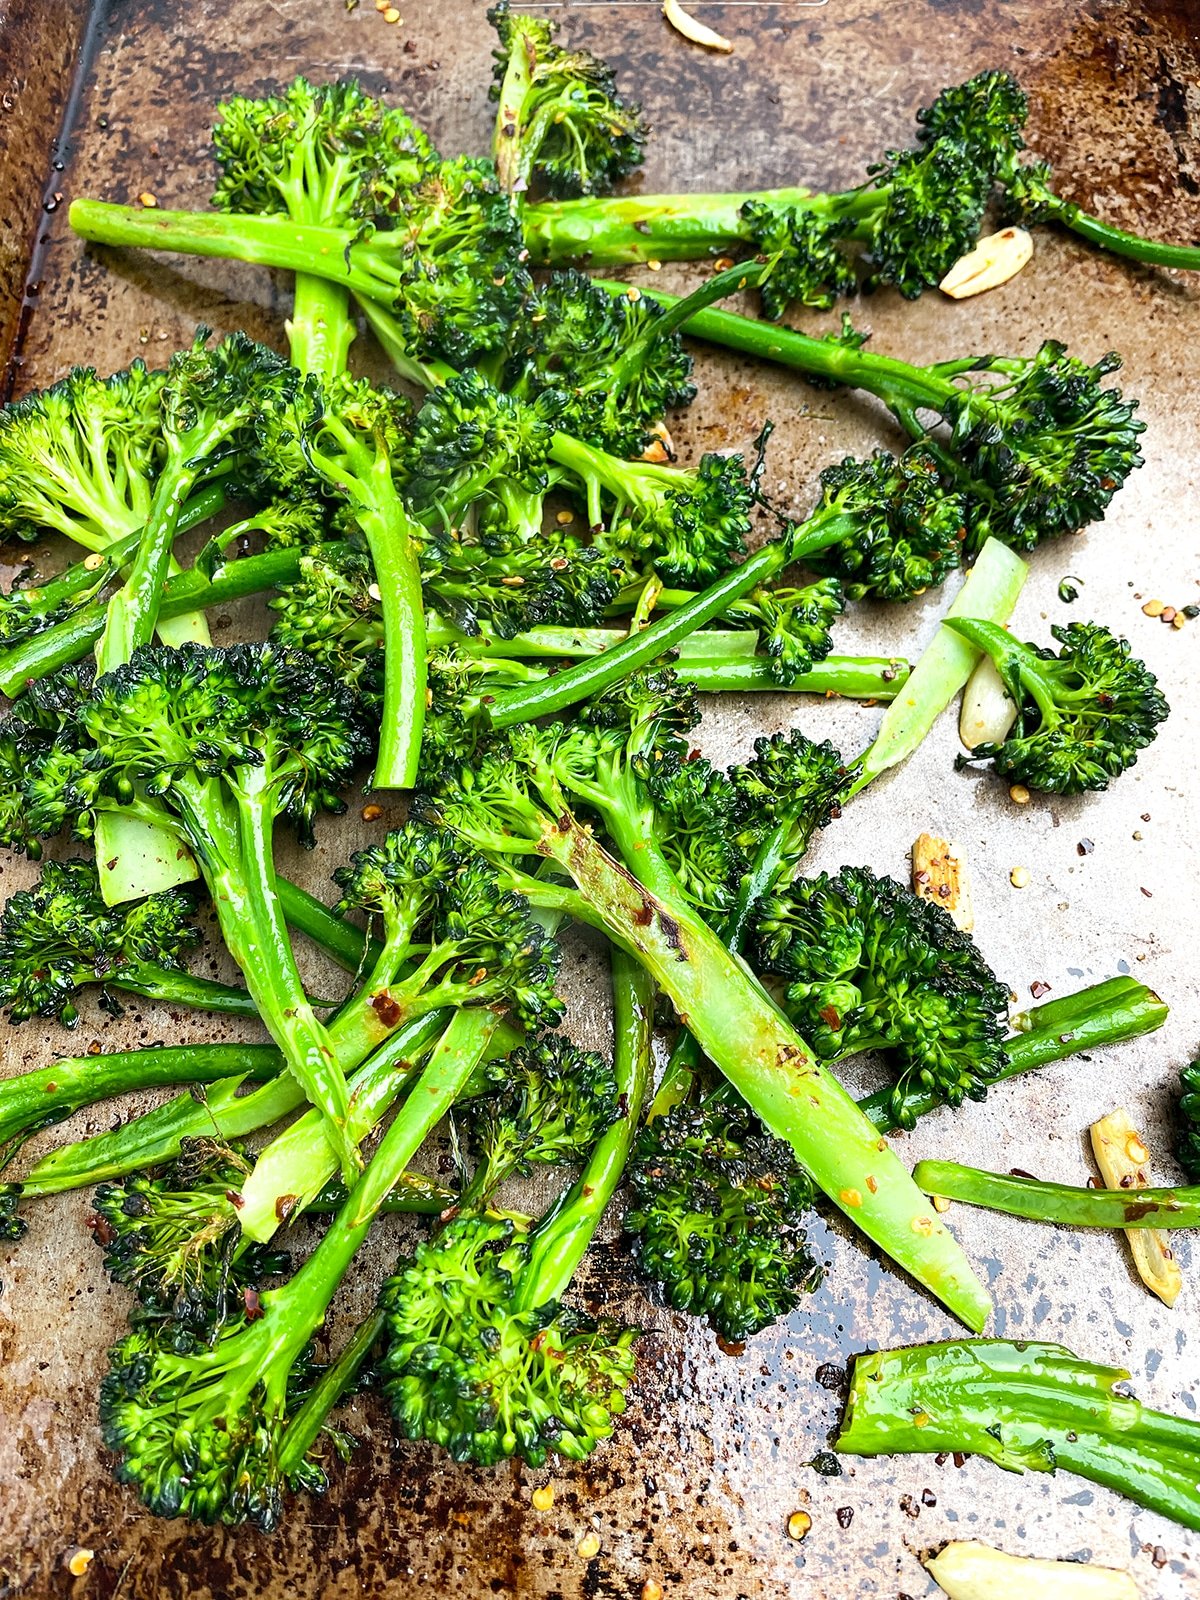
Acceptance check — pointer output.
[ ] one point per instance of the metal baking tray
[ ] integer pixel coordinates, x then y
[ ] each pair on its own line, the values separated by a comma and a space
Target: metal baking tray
697, 1486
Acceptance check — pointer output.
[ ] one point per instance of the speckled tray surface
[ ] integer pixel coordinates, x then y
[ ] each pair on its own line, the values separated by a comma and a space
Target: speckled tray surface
697, 1486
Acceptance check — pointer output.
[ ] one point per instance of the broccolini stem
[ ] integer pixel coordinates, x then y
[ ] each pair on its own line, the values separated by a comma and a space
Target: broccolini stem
1015, 665
439, 1085
38, 1099
254, 929
561, 1239
266, 241
1068, 1205
221, 1113
746, 1036
294, 1168
852, 677
340, 940
1117, 240
133, 610
391, 538
71, 639
83, 577
1026, 1407
1103, 1013
305, 1426
895, 382
513, 160
716, 660
989, 593
590, 677
176, 987
320, 330
626, 230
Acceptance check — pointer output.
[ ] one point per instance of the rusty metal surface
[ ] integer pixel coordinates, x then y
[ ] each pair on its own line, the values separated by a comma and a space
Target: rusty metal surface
697, 1487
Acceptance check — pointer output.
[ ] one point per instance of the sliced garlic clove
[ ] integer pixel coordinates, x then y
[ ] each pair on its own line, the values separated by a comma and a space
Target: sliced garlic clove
993, 261
1121, 1155
988, 711
968, 1570
693, 30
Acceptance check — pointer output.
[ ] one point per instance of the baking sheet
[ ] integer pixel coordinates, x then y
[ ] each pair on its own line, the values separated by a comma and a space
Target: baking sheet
696, 1488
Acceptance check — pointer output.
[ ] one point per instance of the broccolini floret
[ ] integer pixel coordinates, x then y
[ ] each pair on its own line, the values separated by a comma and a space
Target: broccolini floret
872, 966
59, 936
1082, 714
717, 1216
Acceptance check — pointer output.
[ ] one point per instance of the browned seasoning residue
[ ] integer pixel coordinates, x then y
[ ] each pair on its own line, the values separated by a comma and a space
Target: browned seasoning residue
385, 1008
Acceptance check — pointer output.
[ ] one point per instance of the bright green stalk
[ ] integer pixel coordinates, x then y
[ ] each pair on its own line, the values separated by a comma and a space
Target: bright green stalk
394, 540
255, 933
624, 230
38, 1099
222, 1113
897, 383
851, 677
743, 1033
306, 1425
320, 329
1103, 1013
588, 678
363, 266
989, 593
1066, 1204
1052, 208
561, 1238
72, 638
89, 575
298, 1163
1027, 1407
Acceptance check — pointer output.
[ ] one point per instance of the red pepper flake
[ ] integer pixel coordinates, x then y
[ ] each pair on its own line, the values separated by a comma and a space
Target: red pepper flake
1148, 893
928, 1498
1037, 988
1085, 847
831, 1018
252, 1303
844, 1515
101, 1229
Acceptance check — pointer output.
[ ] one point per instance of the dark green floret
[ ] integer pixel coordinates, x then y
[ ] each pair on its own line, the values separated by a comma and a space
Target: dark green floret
546, 1103
59, 936
614, 373
173, 1239
871, 966
561, 126
1083, 714
717, 1216
1187, 1148
483, 1380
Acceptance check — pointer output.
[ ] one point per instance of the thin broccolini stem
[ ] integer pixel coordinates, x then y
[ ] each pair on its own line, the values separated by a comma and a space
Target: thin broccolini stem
1068, 1205
71, 639
561, 1239
628, 229
1117, 240
896, 383
47, 1095
591, 677
320, 330
255, 932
